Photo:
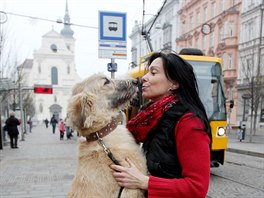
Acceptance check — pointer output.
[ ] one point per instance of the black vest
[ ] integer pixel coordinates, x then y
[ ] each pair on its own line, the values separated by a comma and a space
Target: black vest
160, 146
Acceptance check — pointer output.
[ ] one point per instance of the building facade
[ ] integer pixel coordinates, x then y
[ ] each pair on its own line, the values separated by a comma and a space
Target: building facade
213, 26
53, 64
162, 33
250, 80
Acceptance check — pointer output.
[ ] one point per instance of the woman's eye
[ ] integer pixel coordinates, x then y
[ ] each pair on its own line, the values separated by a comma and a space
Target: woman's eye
153, 72
107, 81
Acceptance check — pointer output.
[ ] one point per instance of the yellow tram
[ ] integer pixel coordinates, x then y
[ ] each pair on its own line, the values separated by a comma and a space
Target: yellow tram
208, 72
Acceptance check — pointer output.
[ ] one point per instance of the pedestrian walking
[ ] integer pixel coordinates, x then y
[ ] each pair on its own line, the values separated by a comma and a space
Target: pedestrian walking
30, 125
46, 122
62, 129
53, 122
68, 128
11, 126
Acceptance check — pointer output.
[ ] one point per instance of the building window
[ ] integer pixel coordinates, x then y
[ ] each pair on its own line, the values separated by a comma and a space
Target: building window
213, 9
246, 110
230, 61
39, 68
230, 28
167, 34
196, 43
155, 45
40, 107
68, 69
169, 15
205, 14
222, 6
262, 109
198, 16
221, 35
54, 76
212, 39
191, 22
134, 55
250, 30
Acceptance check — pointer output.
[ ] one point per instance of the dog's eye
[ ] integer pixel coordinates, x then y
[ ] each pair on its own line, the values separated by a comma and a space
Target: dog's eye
107, 81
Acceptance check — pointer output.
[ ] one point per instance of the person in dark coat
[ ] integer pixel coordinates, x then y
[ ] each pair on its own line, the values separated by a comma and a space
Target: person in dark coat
11, 125
53, 122
46, 122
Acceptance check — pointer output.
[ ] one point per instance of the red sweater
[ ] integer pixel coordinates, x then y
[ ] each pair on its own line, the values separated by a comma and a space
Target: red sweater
194, 156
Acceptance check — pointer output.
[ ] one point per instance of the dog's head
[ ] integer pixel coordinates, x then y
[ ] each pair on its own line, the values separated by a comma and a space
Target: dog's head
96, 100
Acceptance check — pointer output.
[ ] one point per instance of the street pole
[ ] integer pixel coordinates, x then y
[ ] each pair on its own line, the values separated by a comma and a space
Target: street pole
252, 103
112, 72
21, 112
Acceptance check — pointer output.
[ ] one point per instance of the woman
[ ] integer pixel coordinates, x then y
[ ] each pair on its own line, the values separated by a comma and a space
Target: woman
62, 129
11, 126
175, 133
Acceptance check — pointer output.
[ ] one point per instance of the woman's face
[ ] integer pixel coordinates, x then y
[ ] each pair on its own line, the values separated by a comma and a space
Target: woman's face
155, 83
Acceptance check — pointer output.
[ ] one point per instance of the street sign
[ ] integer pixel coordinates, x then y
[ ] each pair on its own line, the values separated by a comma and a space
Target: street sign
112, 35
112, 67
43, 89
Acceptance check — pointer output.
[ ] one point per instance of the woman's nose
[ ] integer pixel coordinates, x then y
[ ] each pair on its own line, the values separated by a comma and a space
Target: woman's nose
144, 78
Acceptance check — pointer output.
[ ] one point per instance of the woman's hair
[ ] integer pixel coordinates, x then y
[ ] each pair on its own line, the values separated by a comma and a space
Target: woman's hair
180, 71
12, 113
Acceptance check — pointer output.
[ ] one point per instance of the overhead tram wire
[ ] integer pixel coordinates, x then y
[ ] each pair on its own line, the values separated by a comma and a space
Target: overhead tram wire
143, 31
49, 20
165, 1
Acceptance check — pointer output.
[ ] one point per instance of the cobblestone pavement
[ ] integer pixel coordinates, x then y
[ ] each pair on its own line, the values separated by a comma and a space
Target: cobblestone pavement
43, 166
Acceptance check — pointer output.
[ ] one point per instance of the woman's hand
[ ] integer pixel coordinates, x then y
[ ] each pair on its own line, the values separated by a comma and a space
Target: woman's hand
130, 177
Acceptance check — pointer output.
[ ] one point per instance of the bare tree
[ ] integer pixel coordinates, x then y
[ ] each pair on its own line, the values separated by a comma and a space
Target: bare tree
13, 75
253, 86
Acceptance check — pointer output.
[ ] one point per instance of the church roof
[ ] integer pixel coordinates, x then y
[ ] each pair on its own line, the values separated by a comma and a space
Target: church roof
52, 33
67, 31
27, 64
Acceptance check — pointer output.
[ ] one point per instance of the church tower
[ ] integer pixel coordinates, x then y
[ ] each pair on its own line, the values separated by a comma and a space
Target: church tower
67, 31
54, 64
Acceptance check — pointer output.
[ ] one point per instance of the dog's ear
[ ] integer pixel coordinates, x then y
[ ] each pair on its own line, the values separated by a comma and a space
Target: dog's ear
79, 108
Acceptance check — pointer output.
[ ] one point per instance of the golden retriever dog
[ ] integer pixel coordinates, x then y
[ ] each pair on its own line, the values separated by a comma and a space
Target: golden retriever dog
92, 111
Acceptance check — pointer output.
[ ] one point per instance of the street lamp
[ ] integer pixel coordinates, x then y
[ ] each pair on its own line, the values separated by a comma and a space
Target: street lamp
3, 19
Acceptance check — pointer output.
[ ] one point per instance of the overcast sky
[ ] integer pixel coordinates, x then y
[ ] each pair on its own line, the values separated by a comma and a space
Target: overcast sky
24, 34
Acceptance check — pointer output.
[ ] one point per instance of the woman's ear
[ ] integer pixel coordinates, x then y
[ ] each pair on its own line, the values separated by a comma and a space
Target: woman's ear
175, 86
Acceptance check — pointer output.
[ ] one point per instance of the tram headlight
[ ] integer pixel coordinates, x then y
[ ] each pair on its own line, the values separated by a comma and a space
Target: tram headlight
221, 131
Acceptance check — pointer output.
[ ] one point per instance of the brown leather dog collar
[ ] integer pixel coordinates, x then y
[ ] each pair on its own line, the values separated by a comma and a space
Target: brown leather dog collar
102, 132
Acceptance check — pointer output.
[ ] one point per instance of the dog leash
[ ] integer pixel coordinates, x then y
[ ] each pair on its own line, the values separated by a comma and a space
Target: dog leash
111, 156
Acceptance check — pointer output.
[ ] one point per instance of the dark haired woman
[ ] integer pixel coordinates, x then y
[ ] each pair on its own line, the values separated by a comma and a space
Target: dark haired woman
175, 133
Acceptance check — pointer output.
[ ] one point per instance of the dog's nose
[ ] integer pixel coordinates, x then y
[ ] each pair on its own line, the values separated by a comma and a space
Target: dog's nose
135, 82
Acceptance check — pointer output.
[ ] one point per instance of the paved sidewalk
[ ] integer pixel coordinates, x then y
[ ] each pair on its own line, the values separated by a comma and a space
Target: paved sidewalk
44, 166
254, 148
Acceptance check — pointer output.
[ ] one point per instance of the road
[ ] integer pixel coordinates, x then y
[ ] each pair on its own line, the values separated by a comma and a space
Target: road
241, 176
44, 166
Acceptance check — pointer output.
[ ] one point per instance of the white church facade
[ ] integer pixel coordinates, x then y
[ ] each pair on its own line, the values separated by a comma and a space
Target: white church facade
53, 64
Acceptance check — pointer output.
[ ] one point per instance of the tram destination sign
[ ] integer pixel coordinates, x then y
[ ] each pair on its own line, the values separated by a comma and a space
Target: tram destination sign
112, 35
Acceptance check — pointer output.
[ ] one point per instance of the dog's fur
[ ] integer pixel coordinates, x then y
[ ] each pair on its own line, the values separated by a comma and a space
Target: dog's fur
94, 102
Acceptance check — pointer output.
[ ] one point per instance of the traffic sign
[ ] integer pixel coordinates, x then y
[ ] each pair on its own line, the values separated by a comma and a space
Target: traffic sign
112, 35
112, 67
43, 89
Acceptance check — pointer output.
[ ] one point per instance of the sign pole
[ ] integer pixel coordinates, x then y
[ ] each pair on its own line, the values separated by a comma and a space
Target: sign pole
112, 38
113, 71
